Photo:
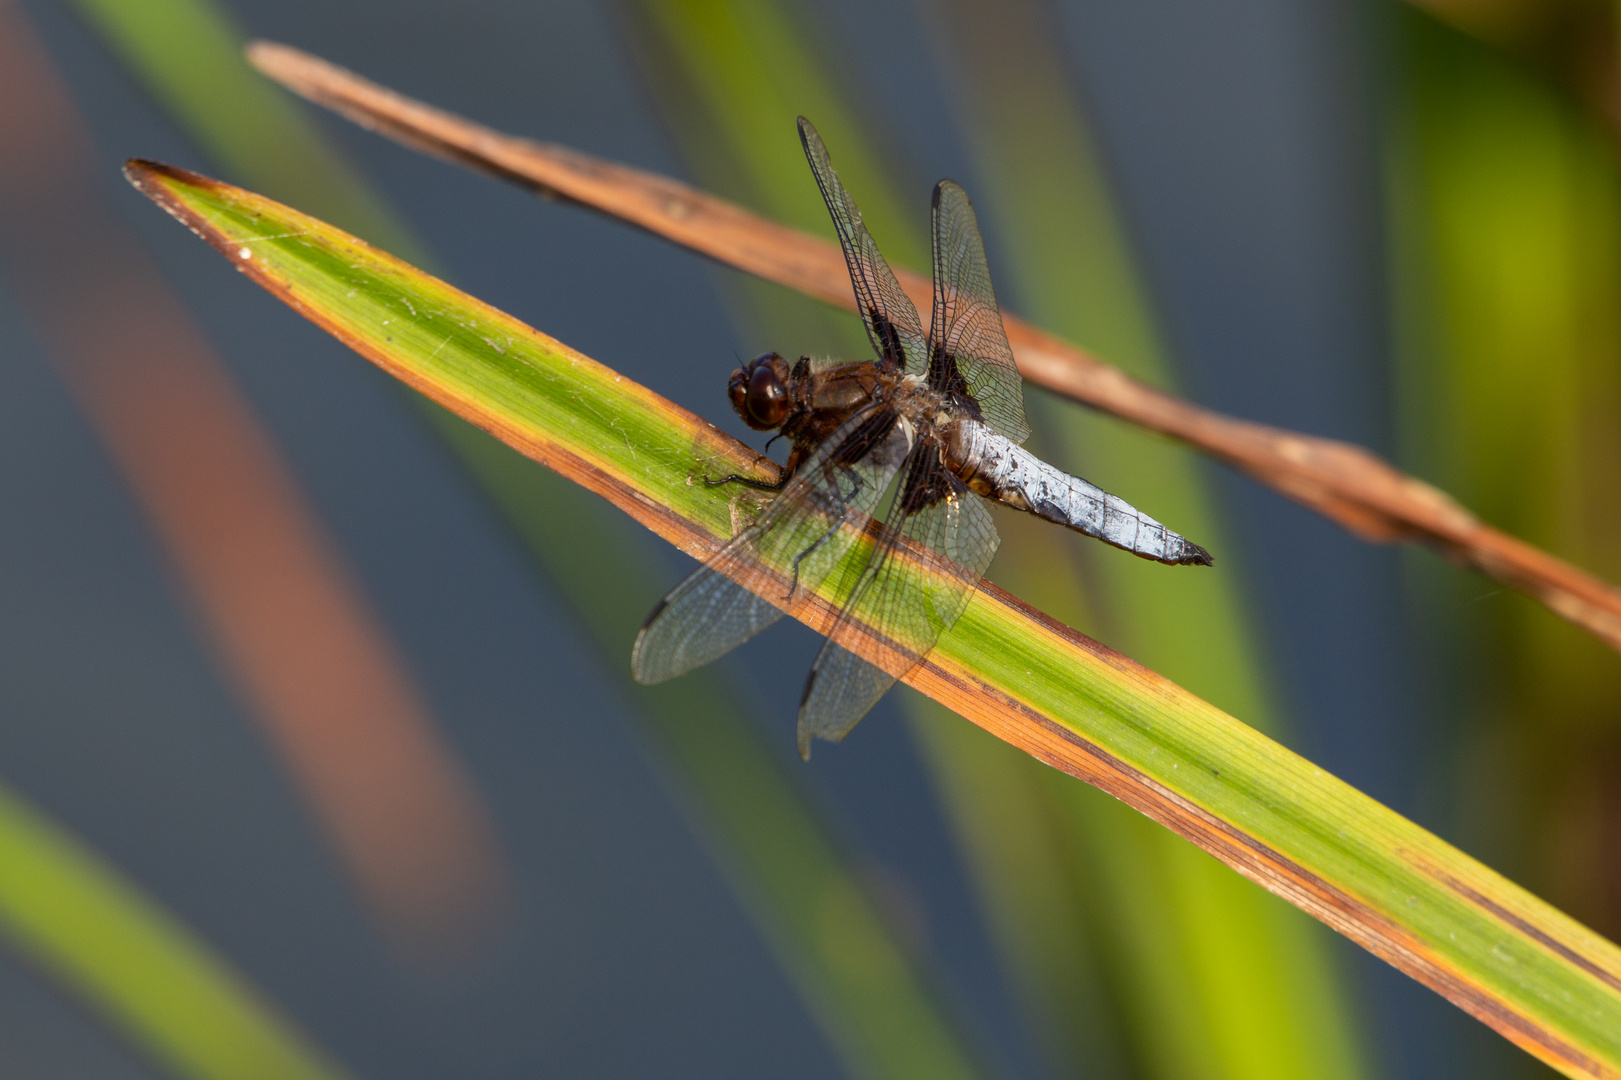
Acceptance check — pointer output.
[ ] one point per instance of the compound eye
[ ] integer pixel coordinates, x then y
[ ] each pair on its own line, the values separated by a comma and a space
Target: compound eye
737, 388
767, 399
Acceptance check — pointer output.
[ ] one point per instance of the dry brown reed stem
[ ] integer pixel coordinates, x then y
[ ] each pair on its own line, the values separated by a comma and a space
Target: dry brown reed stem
1344, 482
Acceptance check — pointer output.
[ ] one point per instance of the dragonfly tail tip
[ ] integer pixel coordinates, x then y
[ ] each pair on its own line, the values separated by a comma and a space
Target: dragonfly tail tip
1194, 555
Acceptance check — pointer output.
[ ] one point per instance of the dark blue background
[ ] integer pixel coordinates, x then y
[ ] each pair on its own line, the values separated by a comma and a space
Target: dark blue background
1243, 138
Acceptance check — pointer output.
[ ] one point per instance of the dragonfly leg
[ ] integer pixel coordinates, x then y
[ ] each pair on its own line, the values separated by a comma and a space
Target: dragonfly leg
856, 485
760, 485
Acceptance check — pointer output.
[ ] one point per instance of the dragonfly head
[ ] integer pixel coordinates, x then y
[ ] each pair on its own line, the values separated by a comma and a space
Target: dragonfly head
759, 392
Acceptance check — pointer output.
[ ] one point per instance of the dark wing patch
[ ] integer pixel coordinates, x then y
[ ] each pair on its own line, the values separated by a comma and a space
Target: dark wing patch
891, 318
907, 595
790, 548
969, 356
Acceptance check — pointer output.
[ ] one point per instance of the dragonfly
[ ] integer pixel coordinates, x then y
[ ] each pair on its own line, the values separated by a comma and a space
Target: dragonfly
884, 486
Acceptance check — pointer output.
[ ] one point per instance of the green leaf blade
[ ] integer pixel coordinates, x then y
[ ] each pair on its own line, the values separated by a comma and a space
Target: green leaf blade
554, 404
1503, 955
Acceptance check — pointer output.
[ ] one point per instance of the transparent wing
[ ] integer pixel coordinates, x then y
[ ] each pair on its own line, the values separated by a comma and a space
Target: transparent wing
968, 349
790, 548
891, 318
918, 581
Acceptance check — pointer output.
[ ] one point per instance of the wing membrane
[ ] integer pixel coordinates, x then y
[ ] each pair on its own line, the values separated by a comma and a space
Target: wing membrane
790, 548
968, 348
906, 597
891, 318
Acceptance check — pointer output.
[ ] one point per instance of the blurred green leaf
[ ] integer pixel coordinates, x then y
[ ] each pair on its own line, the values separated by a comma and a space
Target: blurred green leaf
188, 54
1506, 229
79, 919
1246, 983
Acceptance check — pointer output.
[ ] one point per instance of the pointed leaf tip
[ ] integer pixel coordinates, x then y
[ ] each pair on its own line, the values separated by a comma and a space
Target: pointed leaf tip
141, 171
